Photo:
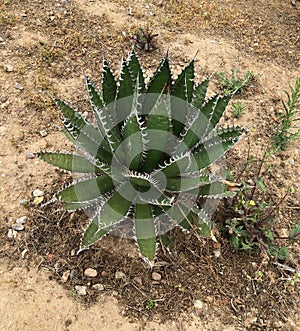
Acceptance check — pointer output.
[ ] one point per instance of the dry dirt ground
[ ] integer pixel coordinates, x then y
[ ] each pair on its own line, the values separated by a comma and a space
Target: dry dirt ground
45, 46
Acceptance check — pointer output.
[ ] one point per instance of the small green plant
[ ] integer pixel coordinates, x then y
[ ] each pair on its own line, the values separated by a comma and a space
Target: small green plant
150, 304
237, 109
252, 228
144, 39
147, 158
234, 83
287, 130
73, 293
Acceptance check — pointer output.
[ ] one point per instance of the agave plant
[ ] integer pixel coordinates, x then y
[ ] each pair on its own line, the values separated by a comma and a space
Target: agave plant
148, 154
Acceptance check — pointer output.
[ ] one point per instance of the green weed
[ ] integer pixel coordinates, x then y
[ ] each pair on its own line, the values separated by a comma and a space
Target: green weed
234, 83
237, 109
288, 130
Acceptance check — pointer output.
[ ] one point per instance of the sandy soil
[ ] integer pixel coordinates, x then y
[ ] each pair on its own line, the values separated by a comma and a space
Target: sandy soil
48, 52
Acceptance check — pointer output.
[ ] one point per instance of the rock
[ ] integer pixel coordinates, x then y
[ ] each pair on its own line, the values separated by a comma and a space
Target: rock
291, 162
37, 193
120, 275
217, 253
12, 234
156, 276
80, 289
38, 200
30, 155
43, 133
17, 227
65, 276
8, 68
19, 86
24, 252
21, 220
138, 281
198, 304
90, 272
98, 287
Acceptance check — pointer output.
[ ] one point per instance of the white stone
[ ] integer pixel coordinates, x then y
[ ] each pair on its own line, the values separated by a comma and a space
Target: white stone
80, 289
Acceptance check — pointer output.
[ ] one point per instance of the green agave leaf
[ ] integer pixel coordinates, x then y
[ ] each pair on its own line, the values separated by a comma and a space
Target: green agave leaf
184, 84
70, 162
181, 215
216, 145
97, 104
92, 234
204, 122
200, 93
70, 205
181, 183
214, 109
145, 231
157, 133
69, 136
133, 142
136, 71
174, 168
116, 208
214, 189
109, 85
77, 122
156, 197
160, 82
182, 89
84, 134
125, 92
86, 190
141, 182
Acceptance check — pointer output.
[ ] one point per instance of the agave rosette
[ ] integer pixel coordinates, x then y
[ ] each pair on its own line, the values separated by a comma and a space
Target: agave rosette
147, 154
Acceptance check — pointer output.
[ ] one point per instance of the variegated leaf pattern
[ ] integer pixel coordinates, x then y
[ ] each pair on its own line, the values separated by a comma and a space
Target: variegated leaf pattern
147, 155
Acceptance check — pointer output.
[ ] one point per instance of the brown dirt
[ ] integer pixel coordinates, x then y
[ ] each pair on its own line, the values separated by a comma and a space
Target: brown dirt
50, 44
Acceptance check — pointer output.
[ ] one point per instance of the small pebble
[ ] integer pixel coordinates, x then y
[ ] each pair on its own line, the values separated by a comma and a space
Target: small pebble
8, 68
138, 281
90, 272
37, 193
156, 276
217, 253
98, 287
65, 276
80, 289
198, 304
19, 86
17, 227
12, 233
43, 133
38, 200
24, 252
21, 220
30, 155
291, 162
120, 275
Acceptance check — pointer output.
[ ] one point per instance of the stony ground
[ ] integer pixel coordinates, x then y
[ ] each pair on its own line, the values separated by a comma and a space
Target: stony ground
45, 46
